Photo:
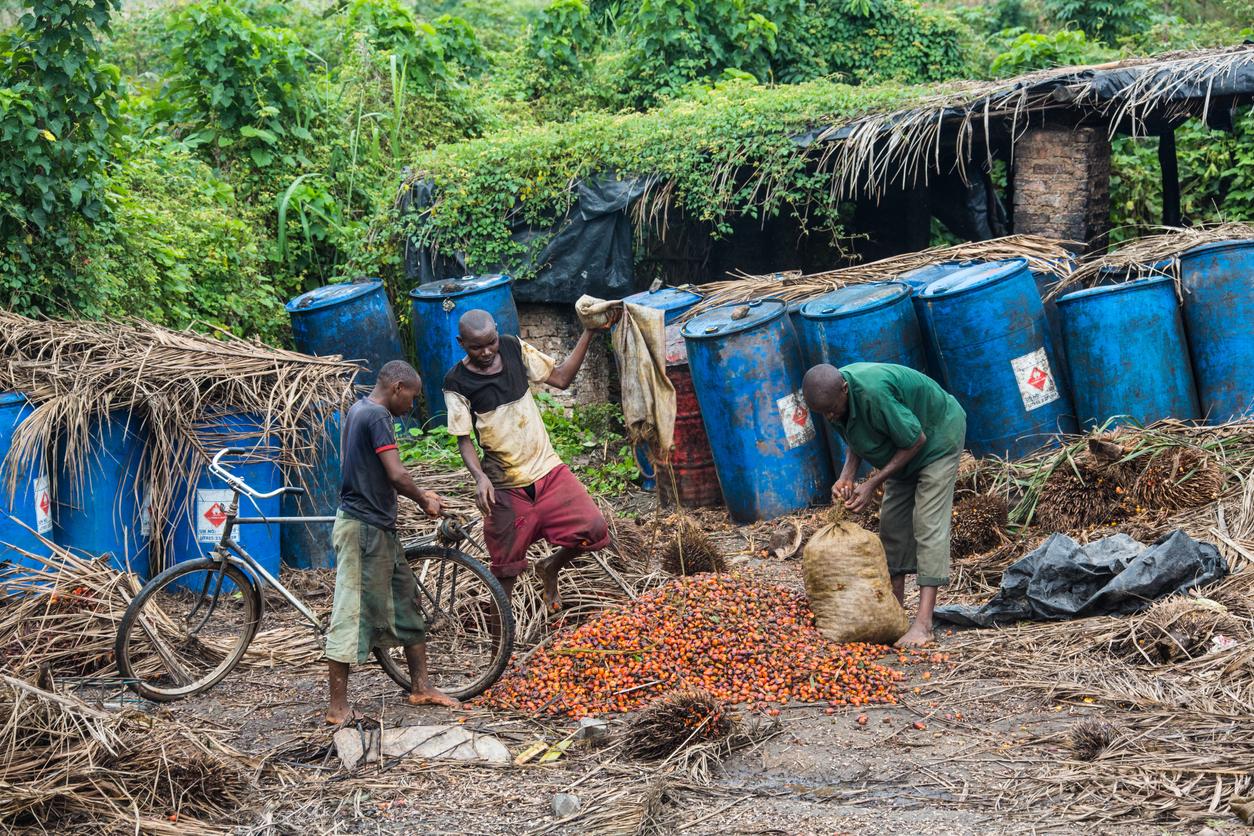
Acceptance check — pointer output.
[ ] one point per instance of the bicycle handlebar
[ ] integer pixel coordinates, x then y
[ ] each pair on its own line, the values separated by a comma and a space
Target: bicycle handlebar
222, 472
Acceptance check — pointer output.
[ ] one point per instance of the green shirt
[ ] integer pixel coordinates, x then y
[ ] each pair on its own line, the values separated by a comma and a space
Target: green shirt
889, 405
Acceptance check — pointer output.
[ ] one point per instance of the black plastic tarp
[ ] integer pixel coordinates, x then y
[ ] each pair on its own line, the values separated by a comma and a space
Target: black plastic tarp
589, 251
1116, 575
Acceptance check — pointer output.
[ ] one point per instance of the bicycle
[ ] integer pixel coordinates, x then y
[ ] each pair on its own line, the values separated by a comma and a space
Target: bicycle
169, 645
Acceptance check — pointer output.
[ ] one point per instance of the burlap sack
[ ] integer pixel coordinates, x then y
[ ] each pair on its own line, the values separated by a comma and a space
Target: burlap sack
850, 592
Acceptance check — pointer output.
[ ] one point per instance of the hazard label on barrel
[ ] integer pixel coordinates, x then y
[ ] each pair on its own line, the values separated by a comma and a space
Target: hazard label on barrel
43, 506
145, 515
211, 508
1036, 381
795, 416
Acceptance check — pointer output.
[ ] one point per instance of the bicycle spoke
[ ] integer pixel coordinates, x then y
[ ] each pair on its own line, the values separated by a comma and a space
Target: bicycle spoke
180, 674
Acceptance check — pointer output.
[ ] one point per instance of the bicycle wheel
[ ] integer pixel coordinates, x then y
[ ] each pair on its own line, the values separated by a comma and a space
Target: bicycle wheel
187, 628
470, 627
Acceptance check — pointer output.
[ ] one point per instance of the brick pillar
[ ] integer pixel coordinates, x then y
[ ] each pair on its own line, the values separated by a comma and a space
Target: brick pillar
554, 329
1062, 184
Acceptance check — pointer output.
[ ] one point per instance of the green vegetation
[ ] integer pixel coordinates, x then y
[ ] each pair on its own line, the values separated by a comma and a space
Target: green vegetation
199, 163
588, 438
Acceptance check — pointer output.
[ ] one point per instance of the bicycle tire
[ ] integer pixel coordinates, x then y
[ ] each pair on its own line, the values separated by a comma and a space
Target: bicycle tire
395, 667
243, 581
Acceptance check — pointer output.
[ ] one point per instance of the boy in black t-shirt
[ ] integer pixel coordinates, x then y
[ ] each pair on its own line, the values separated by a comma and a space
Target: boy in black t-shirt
375, 594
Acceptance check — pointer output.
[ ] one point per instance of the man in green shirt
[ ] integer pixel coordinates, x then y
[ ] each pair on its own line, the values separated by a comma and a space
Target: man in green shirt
912, 431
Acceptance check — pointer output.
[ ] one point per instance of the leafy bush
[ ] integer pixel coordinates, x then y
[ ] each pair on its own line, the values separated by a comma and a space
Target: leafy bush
393, 29
1105, 20
58, 112
1216, 177
1034, 51
239, 85
871, 40
180, 249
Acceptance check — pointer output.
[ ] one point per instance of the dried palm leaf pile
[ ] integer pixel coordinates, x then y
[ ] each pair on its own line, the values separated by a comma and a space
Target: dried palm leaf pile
1180, 673
740, 638
66, 765
176, 384
1156, 254
61, 620
1044, 255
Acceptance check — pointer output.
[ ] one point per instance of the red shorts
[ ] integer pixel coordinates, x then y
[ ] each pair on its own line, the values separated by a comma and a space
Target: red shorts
562, 513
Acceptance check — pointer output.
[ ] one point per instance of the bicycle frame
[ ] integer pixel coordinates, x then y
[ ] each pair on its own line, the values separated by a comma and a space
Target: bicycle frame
227, 546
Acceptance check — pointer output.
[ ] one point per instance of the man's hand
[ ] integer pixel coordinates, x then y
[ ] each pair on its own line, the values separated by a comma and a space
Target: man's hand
842, 490
863, 494
612, 316
431, 503
485, 495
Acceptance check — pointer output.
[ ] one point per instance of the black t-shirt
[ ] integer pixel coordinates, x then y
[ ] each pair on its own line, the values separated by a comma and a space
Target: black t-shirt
366, 493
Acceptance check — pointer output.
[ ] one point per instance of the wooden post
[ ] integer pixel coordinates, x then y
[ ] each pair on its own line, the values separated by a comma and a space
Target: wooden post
1170, 168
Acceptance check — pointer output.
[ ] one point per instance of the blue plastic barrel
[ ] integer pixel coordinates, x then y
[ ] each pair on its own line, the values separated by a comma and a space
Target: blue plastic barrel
917, 280
871, 323
201, 508
994, 355
1218, 281
29, 508
1127, 353
308, 545
354, 320
747, 369
674, 302
436, 308
100, 510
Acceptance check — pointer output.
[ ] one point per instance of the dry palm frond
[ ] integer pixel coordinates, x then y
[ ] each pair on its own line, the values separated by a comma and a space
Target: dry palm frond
1156, 254
979, 523
1044, 255
1178, 479
176, 385
1089, 738
64, 762
690, 551
1178, 628
682, 718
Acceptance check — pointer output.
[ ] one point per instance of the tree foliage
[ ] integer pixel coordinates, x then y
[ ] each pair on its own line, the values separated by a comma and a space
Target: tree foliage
58, 106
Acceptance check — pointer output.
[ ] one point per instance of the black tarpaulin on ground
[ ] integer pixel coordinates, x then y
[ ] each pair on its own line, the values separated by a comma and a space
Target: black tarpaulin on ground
1116, 575
589, 251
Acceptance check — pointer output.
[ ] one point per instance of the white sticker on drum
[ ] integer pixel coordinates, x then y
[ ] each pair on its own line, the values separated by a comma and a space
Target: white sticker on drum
795, 416
43, 505
211, 507
145, 515
1035, 379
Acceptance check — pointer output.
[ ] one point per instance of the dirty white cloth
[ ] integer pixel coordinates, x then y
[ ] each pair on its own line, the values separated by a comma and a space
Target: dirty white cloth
639, 342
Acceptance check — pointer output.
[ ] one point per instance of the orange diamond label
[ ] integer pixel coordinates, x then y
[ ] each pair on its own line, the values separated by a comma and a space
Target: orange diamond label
215, 515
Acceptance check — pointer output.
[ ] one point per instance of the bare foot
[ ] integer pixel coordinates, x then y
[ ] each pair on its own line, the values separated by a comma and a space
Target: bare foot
548, 578
340, 716
916, 636
430, 696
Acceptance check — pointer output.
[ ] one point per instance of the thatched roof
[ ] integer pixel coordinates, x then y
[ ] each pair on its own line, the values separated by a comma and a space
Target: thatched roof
1136, 96
536, 201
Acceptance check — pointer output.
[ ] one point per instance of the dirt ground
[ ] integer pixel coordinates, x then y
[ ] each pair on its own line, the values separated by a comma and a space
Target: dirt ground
957, 756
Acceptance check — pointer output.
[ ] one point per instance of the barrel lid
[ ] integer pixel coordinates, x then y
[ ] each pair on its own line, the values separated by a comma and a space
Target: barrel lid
974, 277
854, 299
1230, 244
664, 299
332, 294
1134, 284
449, 288
921, 277
733, 318
7, 398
